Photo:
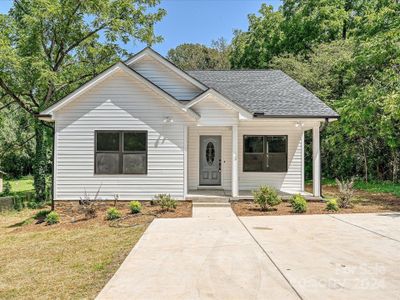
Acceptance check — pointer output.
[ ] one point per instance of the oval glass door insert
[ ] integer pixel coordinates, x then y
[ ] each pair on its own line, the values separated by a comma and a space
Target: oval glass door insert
210, 153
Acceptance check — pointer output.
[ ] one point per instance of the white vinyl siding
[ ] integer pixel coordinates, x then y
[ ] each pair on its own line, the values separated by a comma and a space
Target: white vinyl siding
165, 78
119, 103
194, 159
290, 181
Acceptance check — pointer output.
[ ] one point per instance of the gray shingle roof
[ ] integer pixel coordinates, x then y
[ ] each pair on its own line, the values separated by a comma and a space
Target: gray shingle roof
269, 92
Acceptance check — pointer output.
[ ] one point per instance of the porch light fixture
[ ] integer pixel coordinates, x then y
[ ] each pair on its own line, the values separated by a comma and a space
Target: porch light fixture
168, 120
299, 124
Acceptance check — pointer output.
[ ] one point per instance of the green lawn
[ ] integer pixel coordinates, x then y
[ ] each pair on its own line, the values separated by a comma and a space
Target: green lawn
23, 184
372, 186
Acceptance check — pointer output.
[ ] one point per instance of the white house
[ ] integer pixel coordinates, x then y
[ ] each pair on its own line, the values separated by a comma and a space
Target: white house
144, 127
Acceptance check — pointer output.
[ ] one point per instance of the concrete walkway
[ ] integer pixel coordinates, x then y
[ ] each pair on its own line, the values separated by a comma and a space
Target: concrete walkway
216, 255
354, 256
209, 256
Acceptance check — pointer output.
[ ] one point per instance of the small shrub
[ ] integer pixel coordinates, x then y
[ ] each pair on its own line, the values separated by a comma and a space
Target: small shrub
7, 188
113, 213
88, 205
266, 197
135, 207
35, 205
165, 201
299, 204
332, 205
18, 203
346, 191
52, 218
41, 215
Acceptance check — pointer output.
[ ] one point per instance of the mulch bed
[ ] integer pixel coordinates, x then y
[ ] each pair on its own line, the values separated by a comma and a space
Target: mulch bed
70, 211
364, 202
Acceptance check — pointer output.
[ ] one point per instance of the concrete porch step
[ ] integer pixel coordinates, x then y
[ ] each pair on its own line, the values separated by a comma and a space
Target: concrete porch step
211, 200
211, 204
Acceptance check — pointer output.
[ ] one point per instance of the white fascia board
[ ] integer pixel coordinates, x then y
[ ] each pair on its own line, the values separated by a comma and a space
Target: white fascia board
223, 99
165, 62
102, 76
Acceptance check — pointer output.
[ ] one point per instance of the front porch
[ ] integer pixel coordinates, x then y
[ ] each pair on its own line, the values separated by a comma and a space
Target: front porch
204, 194
234, 182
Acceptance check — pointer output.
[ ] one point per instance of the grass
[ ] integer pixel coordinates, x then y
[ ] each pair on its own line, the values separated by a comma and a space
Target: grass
70, 261
23, 184
371, 187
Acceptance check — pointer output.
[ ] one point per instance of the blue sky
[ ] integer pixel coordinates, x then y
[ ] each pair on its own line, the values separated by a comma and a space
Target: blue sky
195, 21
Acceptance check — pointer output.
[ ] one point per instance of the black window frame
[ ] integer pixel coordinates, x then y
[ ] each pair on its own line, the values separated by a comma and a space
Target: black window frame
121, 151
264, 152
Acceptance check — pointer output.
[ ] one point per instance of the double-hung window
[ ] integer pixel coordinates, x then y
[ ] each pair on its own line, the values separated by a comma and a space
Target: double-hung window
121, 152
265, 153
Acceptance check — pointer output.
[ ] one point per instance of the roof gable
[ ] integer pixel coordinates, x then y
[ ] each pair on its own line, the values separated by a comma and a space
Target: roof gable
148, 53
46, 114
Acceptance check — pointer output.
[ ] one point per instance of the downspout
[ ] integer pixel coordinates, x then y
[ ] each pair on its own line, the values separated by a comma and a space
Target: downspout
52, 169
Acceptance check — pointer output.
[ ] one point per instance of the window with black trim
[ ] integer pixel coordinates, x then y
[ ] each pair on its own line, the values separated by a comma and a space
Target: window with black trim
120, 152
265, 153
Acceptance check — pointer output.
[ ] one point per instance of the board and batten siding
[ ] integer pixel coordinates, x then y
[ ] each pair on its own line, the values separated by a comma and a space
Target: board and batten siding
290, 181
165, 78
119, 103
215, 113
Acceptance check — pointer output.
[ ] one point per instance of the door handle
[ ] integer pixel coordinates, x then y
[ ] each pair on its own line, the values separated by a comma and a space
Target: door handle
219, 166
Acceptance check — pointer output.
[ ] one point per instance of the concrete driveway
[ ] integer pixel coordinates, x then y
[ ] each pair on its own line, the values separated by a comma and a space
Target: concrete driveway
219, 256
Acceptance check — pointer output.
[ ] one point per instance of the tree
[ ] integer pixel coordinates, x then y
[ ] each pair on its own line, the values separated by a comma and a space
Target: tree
201, 57
48, 48
256, 47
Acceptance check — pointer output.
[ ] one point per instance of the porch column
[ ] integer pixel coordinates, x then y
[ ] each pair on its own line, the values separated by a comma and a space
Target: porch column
235, 171
185, 161
316, 162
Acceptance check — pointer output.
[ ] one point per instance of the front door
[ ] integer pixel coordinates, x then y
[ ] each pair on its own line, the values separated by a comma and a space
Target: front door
210, 160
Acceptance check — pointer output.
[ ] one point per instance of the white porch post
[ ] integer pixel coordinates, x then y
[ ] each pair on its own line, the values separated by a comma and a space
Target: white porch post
235, 171
185, 161
316, 162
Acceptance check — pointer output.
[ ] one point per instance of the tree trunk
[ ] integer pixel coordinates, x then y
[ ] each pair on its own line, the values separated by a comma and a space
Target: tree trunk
365, 162
40, 161
395, 165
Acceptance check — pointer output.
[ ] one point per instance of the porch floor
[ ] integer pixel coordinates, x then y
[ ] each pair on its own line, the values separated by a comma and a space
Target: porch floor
243, 195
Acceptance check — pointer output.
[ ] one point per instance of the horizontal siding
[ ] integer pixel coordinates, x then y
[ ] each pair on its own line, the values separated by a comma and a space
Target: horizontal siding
289, 181
213, 112
193, 154
165, 78
119, 103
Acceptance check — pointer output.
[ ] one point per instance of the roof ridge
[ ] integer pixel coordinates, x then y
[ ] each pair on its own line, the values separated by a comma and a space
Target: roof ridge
239, 70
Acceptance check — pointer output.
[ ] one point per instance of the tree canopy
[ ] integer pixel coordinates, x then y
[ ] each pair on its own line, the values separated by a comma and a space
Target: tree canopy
48, 48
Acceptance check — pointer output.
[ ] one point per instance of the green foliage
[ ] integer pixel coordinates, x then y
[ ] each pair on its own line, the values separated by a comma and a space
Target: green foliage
41, 214
201, 57
6, 188
266, 197
378, 187
299, 203
135, 207
52, 218
331, 205
47, 50
18, 202
347, 53
113, 214
165, 201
